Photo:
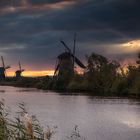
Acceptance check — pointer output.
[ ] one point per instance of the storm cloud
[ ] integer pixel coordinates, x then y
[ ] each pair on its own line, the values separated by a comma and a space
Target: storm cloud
31, 30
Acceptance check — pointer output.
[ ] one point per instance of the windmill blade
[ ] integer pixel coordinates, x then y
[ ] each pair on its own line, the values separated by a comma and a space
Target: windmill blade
78, 62
7, 67
64, 44
75, 58
57, 67
74, 47
22, 70
20, 66
2, 62
3, 65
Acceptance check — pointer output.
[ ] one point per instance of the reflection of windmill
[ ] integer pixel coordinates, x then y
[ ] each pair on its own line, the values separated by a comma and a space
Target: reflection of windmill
3, 69
19, 72
66, 61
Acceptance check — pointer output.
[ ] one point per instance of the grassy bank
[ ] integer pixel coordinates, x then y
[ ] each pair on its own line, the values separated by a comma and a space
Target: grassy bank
77, 85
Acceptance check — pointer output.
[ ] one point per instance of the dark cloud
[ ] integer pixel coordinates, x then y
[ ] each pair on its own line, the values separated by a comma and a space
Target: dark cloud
26, 3
31, 29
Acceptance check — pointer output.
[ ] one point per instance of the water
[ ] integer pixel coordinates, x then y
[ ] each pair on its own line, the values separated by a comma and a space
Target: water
97, 118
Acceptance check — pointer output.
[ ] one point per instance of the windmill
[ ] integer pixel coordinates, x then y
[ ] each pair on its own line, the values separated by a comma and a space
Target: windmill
67, 60
19, 72
3, 69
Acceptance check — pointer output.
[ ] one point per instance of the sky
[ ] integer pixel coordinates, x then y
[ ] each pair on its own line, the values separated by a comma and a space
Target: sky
31, 30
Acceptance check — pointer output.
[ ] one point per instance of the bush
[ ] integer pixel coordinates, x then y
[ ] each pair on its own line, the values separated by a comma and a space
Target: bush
135, 87
120, 86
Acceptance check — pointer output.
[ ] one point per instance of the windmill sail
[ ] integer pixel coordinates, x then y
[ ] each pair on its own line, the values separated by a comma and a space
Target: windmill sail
73, 56
2, 62
3, 69
56, 69
20, 66
18, 73
67, 61
74, 47
66, 46
78, 62
7, 67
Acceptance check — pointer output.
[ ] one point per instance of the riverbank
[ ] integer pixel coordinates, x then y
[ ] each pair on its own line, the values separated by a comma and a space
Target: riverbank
43, 83
102, 77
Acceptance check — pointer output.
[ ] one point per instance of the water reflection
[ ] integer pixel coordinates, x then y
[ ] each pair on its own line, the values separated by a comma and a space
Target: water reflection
97, 118
26, 90
2, 91
132, 123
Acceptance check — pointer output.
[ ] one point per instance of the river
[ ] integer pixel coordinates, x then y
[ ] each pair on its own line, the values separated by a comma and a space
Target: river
97, 118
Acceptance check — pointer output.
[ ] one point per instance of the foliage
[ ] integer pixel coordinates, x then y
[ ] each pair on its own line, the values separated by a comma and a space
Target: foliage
102, 77
101, 72
106, 77
75, 135
134, 80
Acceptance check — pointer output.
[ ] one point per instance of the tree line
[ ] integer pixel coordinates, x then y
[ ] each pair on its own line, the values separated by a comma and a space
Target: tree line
102, 77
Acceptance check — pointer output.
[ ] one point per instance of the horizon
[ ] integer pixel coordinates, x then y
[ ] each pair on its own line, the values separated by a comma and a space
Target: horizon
40, 73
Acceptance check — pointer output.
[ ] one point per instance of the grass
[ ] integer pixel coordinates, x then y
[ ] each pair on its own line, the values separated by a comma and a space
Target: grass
26, 127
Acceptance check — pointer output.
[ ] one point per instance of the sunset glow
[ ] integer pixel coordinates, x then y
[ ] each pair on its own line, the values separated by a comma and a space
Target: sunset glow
33, 73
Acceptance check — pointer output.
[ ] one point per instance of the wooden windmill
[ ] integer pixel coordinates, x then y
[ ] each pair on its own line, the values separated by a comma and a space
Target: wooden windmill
67, 60
3, 69
19, 72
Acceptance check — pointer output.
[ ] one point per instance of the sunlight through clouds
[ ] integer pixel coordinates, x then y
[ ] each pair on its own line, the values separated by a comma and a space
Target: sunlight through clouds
125, 47
131, 123
134, 45
6, 47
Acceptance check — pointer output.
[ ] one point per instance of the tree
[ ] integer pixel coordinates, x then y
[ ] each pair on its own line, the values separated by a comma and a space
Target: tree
101, 72
133, 77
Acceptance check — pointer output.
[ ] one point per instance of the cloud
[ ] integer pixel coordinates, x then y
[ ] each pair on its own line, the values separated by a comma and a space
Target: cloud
9, 47
32, 5
102, 26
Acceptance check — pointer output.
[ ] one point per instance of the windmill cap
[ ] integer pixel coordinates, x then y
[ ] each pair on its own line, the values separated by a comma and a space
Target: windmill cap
64, 55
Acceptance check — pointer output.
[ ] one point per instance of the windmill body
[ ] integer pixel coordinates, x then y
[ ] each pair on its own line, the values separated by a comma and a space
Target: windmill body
2, 73
3, 69
65, 64
18, 73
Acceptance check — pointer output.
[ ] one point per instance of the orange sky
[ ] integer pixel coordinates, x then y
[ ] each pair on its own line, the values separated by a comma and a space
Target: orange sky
32, 73
35, 73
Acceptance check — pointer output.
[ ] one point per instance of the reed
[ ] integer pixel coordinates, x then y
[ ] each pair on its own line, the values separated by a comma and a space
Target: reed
26, 127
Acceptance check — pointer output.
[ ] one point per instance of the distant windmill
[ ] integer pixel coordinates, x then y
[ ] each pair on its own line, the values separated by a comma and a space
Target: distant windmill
19, 72
67, 60
3, 69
